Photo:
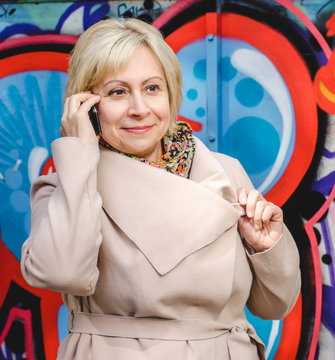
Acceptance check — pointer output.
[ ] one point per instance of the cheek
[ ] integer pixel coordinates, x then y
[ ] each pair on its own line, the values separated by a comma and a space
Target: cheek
163, 110
109, 115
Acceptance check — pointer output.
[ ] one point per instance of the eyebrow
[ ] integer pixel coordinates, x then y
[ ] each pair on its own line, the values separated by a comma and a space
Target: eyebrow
126, 84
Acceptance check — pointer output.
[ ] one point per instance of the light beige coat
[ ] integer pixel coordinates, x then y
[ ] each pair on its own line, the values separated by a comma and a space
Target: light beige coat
158, 253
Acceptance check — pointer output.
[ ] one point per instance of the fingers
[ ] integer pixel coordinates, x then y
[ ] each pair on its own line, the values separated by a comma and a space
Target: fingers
258, 214
82, 102
266, 213
249, 199
78, 105
258, 210
75, 119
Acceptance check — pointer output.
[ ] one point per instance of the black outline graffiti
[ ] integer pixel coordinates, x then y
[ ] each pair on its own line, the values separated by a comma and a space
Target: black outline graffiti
144, 12
6, 11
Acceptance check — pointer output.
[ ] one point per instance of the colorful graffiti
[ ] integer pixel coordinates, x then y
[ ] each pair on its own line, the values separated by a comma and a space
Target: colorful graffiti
257, 75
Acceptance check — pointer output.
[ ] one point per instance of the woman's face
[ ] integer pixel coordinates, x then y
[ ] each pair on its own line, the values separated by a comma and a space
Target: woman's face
134, 109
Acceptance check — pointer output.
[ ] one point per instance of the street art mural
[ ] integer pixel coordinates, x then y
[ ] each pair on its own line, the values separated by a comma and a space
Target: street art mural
258, 74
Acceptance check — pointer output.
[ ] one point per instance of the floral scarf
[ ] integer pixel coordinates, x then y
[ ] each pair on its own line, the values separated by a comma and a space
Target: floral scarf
178, 154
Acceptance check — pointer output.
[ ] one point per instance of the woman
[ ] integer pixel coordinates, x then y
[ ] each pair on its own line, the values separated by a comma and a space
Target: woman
141, 228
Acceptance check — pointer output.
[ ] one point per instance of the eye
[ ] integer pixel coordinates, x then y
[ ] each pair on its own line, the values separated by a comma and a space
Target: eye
117, 92
152, 88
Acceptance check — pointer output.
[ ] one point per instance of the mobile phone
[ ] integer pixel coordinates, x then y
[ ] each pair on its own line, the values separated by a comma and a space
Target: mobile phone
94, 117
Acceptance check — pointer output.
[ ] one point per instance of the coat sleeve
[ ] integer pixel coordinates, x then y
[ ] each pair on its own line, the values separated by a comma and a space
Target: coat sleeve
277, 282
276, 273
61, 252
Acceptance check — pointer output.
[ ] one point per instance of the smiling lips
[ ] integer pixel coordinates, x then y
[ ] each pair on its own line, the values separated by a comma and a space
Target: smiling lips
138, 129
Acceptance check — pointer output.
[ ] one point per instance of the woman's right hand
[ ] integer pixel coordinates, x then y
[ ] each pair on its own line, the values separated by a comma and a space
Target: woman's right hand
75, 118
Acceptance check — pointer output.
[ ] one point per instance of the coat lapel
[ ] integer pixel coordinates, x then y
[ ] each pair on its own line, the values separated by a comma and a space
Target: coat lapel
166, 216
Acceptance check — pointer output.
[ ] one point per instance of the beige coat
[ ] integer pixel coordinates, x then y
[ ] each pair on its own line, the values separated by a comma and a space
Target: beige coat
158, 253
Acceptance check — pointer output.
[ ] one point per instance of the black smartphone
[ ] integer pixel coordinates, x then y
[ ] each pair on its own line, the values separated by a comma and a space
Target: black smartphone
94, 117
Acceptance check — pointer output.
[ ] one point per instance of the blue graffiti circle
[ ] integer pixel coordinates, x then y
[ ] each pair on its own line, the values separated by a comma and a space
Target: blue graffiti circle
226, 70
249, 92
20, 201
13, 178
254, 141
192, 94
199, 70
200, 112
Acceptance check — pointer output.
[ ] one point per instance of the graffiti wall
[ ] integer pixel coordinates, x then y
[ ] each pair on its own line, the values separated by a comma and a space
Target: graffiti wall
258, 85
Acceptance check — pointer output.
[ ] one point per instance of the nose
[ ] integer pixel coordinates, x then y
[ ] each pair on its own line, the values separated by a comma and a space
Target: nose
137, 106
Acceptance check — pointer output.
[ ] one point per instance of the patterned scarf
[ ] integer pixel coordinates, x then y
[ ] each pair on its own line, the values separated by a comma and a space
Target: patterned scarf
178, 154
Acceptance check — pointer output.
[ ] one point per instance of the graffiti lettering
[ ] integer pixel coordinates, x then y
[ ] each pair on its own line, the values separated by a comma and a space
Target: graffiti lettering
124, 10
6, 11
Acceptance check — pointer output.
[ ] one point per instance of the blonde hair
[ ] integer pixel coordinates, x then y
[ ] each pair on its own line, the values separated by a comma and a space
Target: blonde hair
107, 46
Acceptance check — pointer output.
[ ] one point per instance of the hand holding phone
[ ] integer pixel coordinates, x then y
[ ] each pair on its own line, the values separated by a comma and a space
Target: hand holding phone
94, 117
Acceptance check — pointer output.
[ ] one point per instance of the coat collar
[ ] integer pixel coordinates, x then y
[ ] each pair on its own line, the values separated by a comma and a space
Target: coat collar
166, 216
